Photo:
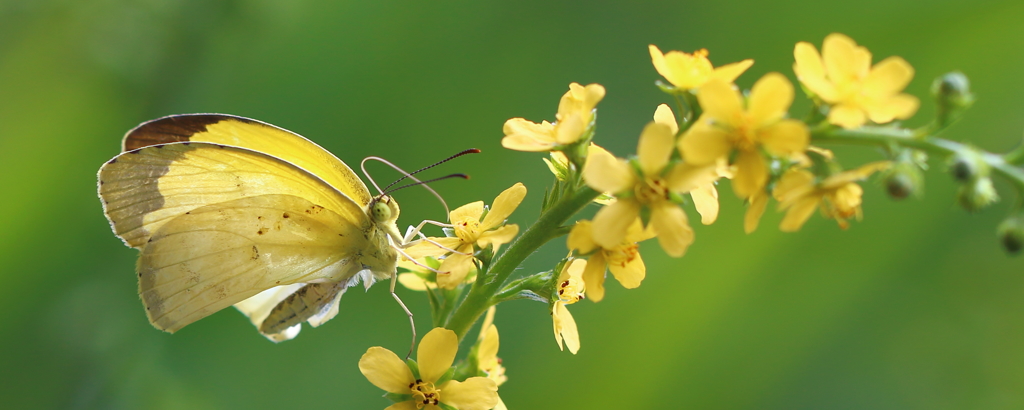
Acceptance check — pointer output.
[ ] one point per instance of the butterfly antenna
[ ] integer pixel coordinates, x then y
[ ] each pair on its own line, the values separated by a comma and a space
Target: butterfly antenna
406, 175
409, 175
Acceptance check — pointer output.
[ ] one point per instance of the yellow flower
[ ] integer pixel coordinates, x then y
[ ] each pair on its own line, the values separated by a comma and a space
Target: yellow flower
435, 355
842, 76
652, 183
487, 354
727, 126
571, 288
756, 205
838, 195
419, 278
472, 228
575, 113
623, 260
689, 71
704, 196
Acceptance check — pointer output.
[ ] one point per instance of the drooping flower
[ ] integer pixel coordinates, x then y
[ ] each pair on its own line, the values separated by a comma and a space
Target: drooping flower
473, 229
843, 77
570, 289
705, 196
654, 183
623, 260
575, 113
435, 355
838, 195
689, 71
419, 276
487, 354
727, 126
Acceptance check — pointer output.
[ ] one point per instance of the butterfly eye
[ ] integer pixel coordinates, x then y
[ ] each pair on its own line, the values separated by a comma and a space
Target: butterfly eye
381, 211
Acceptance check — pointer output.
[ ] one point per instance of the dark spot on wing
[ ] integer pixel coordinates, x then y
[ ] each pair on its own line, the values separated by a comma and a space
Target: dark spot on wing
256, 253
285, 215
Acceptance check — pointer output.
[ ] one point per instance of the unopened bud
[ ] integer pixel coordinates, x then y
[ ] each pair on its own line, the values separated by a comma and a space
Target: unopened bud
903, 179
963, 168
977, 194
952, 92
1011, 233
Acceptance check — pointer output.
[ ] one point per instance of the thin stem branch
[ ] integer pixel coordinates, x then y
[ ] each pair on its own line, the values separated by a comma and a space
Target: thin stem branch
886, 136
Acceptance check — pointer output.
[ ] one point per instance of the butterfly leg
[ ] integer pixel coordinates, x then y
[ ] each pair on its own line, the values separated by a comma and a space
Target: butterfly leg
412, 323
412, 232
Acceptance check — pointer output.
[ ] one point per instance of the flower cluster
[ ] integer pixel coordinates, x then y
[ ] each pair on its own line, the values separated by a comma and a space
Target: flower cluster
718, 131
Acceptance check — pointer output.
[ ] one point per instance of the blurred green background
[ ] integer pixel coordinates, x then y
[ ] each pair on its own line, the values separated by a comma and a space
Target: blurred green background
916, 307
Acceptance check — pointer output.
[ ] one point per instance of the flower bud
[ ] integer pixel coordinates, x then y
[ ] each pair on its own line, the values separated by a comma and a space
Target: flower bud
1011, 233
903, 179
977, 194
964, 167
952, 93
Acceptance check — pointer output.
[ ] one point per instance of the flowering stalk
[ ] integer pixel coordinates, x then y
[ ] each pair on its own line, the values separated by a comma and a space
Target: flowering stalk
543, 230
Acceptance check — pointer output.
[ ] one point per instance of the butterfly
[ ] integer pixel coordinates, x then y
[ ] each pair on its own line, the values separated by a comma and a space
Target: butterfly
227, 210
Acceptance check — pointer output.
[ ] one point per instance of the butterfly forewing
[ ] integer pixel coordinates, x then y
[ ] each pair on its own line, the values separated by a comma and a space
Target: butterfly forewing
254, 135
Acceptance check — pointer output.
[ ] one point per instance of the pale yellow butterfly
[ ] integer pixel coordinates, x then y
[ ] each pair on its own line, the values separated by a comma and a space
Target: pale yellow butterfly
226, 210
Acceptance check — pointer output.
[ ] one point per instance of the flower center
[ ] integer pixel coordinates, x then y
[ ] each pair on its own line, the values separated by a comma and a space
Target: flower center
746, 138
571, 291
424, 393
651, 190
622, 255
468, 231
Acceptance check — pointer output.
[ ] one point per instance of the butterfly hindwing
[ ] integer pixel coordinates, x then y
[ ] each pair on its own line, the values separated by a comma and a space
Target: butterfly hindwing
218, 255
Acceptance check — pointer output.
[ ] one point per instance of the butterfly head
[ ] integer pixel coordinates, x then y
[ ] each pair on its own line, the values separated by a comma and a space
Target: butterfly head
383, 211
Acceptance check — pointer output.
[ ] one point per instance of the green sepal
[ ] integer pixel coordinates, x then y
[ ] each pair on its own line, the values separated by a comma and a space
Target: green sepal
446, 407
446, 376
667, 88
398, 398
415, 367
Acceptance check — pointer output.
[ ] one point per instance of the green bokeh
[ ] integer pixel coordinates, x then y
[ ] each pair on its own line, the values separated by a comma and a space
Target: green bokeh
916, 307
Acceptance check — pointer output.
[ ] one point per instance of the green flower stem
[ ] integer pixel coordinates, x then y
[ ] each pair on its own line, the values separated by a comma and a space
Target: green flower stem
886, 137
543, 230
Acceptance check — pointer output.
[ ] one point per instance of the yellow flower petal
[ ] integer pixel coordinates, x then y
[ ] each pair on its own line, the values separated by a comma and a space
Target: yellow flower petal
798, 214
888, 77
755, 209
730, 72
506, 202
704, 143
523, 135
605, 173
581, 237
794, 184
476, 393
655, 147
581, 100
751, 173
385, 370
454, 268
664, 115
593, 276
570, 129
413, 281
900, 106
670, 223
565, 328
405, 405
785, 138
468, 212
488, 350
705, 199
686, 177
847, 116
629, 274
721, 102
856, 174
810, 71
769, 99
498, 236
436, 354
612, 222
658, 60
839, 54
